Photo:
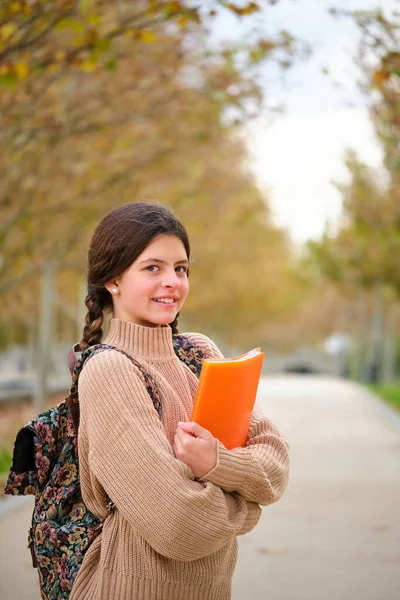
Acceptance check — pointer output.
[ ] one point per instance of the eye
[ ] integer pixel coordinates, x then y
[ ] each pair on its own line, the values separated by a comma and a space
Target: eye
151, 268
181, 269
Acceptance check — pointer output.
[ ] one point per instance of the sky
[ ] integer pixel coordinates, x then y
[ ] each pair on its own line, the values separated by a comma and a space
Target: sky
298, 155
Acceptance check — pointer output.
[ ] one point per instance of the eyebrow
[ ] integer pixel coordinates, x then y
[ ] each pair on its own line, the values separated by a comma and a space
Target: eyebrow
163, 262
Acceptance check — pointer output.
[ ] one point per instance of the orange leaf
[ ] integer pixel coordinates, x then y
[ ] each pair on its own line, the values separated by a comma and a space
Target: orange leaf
249, 9
380, 77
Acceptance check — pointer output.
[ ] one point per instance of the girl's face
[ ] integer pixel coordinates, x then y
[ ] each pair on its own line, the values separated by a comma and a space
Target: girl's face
153, 289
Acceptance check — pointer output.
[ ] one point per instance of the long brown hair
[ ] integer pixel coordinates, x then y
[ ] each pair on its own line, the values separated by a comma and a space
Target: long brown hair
118, 240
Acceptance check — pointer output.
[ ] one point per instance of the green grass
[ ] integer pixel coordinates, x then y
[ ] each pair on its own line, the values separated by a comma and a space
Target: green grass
5, 460
390, 392
5, 464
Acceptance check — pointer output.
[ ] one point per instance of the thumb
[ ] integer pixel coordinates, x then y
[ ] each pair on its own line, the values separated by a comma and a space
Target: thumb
194, 428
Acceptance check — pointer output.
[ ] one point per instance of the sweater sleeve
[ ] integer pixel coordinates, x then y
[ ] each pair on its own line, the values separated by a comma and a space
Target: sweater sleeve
130, 456
258, 472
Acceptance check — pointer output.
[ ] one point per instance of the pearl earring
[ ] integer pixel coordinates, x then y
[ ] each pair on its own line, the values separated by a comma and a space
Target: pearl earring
114, 290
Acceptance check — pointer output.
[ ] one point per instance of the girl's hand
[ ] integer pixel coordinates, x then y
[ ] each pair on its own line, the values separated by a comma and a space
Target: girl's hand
196, 447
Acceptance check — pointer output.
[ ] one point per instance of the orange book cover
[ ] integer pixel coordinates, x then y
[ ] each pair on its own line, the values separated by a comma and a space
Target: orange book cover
226, 395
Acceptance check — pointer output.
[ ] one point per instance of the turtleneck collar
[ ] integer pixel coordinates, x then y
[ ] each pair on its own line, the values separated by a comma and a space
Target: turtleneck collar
151, 342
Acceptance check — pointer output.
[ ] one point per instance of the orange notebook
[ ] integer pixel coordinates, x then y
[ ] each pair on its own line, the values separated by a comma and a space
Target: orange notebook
226, 396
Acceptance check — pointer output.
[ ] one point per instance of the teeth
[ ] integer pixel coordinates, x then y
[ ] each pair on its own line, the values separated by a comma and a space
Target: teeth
165, 300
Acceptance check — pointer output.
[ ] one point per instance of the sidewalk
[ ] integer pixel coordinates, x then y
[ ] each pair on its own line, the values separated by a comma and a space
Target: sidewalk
335, 534
18, 579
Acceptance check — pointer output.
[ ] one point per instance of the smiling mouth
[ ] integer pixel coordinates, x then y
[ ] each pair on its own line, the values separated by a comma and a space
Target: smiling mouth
165, 301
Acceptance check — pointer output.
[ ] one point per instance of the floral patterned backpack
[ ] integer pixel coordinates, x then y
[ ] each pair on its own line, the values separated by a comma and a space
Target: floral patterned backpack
45, 464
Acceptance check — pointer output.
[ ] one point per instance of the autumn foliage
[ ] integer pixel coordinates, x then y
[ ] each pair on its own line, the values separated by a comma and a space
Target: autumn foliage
92, 118
365, 249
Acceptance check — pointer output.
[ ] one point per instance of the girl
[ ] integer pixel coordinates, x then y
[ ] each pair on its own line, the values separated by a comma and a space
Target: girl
180, 496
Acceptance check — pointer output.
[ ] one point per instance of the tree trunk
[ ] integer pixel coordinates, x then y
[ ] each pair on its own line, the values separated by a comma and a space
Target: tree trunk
376, 339
389, 347
45, 337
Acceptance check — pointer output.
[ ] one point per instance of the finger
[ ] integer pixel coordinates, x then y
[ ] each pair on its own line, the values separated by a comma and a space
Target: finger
186, 442
183, 436
194, 429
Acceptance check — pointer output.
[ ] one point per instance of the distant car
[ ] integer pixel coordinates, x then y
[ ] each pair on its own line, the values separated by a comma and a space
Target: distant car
301, 368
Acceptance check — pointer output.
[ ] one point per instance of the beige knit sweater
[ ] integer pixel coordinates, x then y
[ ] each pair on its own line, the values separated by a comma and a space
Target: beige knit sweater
170, 537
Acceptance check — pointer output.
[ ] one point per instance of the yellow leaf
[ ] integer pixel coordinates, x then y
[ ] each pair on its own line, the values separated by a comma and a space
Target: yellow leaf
15, 7
88, 65
21, 70
243, 11
182, 21
94, 20
380, 77
148, 37
84, 5
69, 23
7, 31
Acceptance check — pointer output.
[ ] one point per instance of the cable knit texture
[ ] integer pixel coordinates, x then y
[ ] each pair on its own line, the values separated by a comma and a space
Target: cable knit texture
170, 537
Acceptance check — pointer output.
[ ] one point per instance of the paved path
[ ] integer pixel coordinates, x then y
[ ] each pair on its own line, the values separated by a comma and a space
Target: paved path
18, 579
335, 535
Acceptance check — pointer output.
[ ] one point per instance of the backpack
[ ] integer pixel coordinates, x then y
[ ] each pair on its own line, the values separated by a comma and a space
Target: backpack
45, 464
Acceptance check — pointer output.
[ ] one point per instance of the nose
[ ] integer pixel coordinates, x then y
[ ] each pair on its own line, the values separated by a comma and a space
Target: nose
170, 279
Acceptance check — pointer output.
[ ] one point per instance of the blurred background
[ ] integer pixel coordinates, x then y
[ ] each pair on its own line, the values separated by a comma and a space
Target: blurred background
271, 128
273, 131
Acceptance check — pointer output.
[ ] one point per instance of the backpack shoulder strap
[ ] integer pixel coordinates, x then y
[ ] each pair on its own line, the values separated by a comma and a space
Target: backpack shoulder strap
188, 353
73, 401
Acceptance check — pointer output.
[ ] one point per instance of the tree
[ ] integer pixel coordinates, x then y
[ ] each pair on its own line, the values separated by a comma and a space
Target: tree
362, 251
373, 209
66, 117
361, 256
379, 59
155, 127
43, 36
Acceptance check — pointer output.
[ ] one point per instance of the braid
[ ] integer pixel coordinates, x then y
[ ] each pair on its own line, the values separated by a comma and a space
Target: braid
92, 332
174, 325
